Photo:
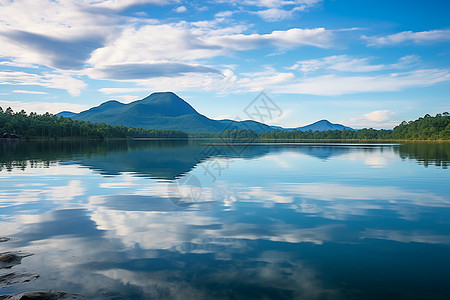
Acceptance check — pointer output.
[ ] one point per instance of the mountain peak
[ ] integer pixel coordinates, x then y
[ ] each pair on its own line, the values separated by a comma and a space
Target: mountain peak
164, 103
111, 103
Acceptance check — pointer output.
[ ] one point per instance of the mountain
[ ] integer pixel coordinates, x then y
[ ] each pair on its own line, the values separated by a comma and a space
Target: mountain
165, 110
66, 114
323, 125
162, 111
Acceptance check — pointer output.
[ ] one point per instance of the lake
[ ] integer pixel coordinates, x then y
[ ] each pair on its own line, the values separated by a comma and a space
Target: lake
197, 220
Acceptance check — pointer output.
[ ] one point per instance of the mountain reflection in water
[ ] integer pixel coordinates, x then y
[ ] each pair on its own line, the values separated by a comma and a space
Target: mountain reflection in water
171, 159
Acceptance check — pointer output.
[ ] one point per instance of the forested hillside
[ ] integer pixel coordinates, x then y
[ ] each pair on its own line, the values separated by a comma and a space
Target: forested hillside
426, 128
51, 126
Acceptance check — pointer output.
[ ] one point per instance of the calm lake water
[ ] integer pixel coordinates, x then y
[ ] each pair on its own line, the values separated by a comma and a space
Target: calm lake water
189, 220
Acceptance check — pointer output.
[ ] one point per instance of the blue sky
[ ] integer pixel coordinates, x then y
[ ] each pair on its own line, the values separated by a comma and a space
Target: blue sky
359, 63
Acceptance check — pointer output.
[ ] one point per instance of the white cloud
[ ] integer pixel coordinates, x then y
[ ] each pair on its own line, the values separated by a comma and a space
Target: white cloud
224, 14
52, 80
188, 42
208, 82
43, 107
278, 3
379, 115
420, 37
287, 83
71, 35
275, 10
143, 70
16, 64
175, 55
153, 43
29, 92
277, 14
406, 61
374, 119
291, 38
57, 19
227, 82
123, 4
53, 33
339, 63
260, 80
345, 63
181, 9
109, 91
330, 85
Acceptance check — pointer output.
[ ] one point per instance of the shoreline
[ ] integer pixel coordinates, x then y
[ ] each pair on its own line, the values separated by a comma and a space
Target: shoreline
221, 139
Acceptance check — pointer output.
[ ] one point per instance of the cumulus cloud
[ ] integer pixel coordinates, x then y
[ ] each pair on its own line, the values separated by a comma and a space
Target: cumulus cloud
92, 37
420, 37
379, 115
181, 41
181, 9
153, 42
377, 118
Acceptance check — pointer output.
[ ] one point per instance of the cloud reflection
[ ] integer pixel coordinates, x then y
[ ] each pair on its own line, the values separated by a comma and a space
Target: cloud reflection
275, 227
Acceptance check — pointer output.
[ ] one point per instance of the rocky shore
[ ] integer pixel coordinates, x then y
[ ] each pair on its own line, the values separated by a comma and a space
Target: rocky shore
8, 278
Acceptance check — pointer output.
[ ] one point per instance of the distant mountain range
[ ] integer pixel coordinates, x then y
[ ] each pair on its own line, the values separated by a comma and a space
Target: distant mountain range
168, 111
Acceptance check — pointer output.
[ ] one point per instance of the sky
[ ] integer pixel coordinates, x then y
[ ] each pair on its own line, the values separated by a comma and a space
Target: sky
358, 63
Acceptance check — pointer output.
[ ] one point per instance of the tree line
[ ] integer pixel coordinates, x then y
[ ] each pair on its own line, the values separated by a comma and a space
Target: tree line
47, 125
424, 128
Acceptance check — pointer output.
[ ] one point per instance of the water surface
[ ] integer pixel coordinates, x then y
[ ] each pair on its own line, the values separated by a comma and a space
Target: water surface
185, 220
